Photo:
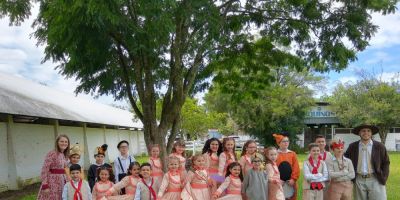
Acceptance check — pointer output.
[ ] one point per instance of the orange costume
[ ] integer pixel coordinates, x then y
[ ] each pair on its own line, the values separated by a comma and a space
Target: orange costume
291, 158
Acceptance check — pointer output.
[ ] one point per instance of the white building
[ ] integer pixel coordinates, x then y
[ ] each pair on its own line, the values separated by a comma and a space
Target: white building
32, 115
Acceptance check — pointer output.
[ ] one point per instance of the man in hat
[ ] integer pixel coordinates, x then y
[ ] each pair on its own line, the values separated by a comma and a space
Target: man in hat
371, 164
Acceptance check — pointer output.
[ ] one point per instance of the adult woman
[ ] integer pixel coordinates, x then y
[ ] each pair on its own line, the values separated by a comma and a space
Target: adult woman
53, 172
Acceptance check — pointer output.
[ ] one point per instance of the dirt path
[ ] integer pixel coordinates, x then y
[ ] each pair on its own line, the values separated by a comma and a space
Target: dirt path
18, 194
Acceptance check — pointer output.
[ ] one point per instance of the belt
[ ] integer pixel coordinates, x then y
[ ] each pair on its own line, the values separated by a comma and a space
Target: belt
174, 190
365, 175
199, 185
57, 171
157, 174
233, 192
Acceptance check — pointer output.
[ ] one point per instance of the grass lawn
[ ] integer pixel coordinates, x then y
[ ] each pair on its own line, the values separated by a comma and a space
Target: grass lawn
392, 187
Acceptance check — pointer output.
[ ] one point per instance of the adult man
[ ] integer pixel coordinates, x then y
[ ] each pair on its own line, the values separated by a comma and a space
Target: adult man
371, 164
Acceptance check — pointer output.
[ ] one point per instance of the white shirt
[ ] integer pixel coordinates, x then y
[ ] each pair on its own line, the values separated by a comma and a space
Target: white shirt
365, 155
84, 184
315, 177
125, 161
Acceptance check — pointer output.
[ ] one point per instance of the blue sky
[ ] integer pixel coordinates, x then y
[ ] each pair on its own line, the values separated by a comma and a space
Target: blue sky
20, 56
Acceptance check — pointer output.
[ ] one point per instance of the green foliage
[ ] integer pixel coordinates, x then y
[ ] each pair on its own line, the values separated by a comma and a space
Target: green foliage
278, 107
370, 101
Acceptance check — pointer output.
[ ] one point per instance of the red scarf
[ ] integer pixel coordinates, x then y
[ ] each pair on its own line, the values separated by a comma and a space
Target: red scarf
315, 185
153, 193
77, 190
322, 158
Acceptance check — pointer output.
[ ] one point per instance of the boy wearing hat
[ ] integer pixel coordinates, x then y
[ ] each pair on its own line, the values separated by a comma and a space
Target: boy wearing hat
287, 163
371, 164
74, 158
76, 188
99, 155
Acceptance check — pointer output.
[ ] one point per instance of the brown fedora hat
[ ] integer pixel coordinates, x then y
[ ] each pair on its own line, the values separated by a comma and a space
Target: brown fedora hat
374, 129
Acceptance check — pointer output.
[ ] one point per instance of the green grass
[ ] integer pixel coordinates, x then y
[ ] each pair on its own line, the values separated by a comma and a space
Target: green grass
392, 186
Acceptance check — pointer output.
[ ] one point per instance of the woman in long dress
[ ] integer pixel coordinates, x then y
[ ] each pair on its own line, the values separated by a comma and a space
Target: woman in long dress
53, 170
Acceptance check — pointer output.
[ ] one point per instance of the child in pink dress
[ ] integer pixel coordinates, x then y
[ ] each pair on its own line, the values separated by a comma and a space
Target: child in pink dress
172, 183
275, 190
211, 151
249, 151
155, 162
178, 150
197, 184
129, 182
232, 186
106, 179
226, 157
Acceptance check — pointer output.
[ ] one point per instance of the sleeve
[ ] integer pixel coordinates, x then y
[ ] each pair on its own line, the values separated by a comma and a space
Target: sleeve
118, 186
242, 162
116, 170
94, 193
65, 192
223, 186
221, 165
207, 158
325, 174
137, 194
163, 186
333, 173
188, 180
385, 164
295, 168
91, 177
307, 174
44, 175
351, 173
246, 182
89, 195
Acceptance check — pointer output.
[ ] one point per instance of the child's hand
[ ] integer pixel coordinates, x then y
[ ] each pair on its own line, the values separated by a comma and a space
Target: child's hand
215, 196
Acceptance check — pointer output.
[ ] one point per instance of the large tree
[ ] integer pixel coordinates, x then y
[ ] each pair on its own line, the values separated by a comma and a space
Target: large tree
368, 101
146, 50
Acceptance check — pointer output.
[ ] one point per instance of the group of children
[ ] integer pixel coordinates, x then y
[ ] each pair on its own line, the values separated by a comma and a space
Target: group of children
216, 173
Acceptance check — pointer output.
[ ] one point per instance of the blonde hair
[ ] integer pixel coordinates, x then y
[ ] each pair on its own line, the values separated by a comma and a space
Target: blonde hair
266, 151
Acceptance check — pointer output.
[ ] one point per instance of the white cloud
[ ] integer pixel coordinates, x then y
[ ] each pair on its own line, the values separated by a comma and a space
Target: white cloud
19, 56
389, 76
347, 80
389, 30
378, 57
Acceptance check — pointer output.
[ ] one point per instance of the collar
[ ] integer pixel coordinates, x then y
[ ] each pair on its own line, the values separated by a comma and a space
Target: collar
369, 143
287, 151
123, 158
99, 165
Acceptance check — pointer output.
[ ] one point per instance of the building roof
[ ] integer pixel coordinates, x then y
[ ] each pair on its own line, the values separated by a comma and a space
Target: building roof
19, 96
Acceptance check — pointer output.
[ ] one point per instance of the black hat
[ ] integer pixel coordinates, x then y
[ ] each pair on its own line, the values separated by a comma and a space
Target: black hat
374, 129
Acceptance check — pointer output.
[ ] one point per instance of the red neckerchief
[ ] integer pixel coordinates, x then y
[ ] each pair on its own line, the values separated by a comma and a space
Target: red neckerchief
315, 185
322, 158
154, 163
153, 193
77, 190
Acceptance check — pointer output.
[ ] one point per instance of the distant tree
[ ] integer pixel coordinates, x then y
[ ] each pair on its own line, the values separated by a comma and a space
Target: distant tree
369, 100
280, 106
146, 50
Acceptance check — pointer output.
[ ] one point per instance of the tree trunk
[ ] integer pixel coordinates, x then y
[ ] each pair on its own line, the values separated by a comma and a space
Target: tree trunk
383, 131
174, 131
